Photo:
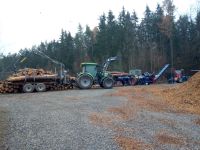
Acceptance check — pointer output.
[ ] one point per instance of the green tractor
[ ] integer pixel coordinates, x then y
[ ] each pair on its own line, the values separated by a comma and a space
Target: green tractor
93, 74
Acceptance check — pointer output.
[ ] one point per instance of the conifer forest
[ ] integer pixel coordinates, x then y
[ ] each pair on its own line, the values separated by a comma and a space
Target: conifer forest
145, 43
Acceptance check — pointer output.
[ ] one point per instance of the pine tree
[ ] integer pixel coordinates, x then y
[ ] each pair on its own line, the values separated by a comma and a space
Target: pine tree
101, 52
167, 26
89, 42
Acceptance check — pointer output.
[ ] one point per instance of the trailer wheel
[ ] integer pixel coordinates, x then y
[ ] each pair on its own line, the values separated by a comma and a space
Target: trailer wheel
40, 87
85, 82
108, 83
28, 88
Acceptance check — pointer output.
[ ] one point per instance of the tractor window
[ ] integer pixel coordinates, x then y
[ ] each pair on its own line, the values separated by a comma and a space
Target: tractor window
91, 69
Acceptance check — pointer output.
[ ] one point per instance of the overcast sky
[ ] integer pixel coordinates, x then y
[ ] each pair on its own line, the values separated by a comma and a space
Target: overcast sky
24, 23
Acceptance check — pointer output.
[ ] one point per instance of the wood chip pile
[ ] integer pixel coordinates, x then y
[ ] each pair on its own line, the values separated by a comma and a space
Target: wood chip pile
186, 96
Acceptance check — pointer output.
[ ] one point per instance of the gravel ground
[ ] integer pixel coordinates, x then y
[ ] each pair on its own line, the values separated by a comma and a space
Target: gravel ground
57, 120
60, 120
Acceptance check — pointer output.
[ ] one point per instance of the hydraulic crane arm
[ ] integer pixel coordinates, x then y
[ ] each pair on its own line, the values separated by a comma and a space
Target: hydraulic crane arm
108, 61
62, 66
47, 57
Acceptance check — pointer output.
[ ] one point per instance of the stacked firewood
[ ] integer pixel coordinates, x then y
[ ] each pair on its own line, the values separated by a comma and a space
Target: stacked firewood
59, 87
14, 83
28, 72
8, 87
31, 72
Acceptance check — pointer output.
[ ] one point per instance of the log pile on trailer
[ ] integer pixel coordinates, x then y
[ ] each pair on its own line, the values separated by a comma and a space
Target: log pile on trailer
29, 72
39, 79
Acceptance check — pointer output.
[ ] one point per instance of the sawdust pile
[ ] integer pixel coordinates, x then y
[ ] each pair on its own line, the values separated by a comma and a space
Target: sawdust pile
127, 143
166, 138
185, 96
100, 119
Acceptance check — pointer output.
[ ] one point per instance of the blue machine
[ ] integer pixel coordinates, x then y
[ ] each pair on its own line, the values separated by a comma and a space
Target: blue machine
144, 79
147, 78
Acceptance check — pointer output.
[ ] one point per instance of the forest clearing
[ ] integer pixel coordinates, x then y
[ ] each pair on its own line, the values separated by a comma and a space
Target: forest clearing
128, 82
159, 116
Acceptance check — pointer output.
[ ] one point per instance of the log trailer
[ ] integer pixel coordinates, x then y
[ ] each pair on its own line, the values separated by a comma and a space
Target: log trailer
28, 80
34, 80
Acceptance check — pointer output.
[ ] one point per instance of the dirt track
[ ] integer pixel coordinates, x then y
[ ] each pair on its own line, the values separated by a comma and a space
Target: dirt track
95, 119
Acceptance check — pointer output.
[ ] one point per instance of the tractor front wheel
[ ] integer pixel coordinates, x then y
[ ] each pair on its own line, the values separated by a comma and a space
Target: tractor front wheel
85, 82
108, 83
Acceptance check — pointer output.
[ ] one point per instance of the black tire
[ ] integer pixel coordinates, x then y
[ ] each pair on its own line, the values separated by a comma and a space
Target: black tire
40, 87
108, 83
101, 85
28, 88
85, 81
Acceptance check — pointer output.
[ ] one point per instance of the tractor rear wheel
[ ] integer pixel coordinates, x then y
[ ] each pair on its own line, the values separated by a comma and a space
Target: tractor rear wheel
85, 81
108, 83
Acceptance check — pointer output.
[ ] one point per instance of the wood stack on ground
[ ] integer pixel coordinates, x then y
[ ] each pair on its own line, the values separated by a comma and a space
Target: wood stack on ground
8, 87
59, 87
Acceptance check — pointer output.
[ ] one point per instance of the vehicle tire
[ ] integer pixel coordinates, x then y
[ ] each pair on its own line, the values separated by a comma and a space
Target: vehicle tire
101, 85
28, 88
108, 83
40, 87
85, 81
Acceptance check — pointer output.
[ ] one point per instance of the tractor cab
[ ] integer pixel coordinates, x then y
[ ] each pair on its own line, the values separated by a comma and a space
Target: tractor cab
89, 68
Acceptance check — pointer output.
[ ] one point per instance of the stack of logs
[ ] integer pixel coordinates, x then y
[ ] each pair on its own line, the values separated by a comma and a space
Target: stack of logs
31, 72
59, 87
8, 87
